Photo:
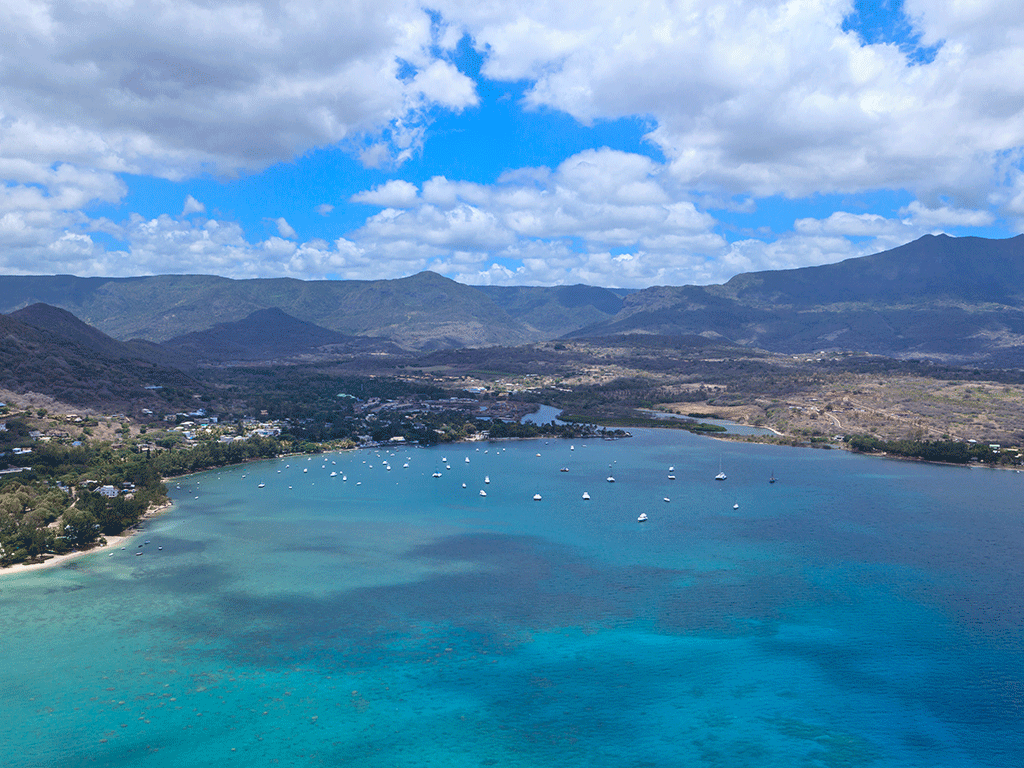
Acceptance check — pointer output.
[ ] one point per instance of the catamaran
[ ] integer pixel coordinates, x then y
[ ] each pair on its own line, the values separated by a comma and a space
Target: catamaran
721, 474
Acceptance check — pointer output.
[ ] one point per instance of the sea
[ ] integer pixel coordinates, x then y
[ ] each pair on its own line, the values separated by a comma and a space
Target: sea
351, 609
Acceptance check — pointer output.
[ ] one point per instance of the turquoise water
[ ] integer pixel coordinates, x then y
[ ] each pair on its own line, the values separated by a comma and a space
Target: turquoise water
858, 612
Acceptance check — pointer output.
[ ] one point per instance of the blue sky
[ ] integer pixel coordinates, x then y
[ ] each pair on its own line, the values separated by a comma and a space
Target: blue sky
619, 145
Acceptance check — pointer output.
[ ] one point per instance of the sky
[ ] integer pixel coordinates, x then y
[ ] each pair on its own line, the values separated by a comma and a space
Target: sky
613, 143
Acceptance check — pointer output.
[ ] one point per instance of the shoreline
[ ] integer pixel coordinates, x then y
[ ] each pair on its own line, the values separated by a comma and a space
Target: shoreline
129, 534
112, 542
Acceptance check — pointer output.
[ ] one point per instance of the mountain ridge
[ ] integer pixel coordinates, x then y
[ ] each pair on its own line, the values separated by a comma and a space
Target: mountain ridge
951, 299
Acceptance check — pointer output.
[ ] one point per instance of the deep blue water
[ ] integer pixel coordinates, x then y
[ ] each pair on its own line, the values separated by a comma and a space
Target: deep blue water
859, 612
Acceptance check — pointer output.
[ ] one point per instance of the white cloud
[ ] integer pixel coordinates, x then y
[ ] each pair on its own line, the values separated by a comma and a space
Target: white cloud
768, 97
606, 198
174, 89
394, 194
745, 99
945, 216
441, 83
284, 229
192, 206
324, 209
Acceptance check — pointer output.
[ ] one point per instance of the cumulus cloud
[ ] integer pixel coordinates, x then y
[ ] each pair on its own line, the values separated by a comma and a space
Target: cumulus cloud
172, 89
604, 199
192, 206
745, 98
284, 229
394, 194
324, 209
768, 97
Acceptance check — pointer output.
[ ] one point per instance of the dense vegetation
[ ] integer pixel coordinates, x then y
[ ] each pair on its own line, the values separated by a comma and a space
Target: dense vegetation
948, 451
54, 505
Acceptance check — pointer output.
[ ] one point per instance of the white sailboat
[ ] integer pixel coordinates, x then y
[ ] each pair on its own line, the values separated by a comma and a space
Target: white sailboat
721, 474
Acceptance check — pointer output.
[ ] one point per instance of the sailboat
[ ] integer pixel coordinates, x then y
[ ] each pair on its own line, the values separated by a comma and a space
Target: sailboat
772, 478
611, 478
721, 474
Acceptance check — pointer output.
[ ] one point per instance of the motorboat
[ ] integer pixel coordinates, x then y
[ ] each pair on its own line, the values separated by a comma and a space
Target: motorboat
642, 518
483, 493
536, 497
586, 496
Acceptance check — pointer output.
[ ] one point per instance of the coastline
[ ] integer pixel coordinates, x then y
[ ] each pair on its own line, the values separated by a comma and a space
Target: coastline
120, 540
112, 542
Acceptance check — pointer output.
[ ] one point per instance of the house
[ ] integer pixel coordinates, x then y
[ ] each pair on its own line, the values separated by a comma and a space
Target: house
107, 490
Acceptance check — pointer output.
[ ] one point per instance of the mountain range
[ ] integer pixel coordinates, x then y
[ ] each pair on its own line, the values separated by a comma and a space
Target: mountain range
959, 300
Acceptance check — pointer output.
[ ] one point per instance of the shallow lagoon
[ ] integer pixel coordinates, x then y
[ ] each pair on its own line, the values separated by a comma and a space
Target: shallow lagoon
858, 612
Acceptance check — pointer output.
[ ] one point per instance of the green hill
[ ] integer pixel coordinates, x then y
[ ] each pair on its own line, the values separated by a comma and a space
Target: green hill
268, 335
55, 354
